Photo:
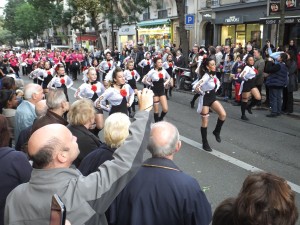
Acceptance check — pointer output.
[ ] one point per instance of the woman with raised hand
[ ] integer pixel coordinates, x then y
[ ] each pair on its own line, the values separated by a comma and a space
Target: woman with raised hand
207, 86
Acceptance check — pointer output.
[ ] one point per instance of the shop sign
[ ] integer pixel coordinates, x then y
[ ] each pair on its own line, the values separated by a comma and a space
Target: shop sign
233, 19
127, 30
290, 5
286, 20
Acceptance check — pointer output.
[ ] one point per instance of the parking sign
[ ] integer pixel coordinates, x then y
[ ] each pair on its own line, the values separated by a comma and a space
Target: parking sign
189, 19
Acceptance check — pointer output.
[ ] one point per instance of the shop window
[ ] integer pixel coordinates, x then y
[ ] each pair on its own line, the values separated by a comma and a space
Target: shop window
240, 27
254, 33
228, 35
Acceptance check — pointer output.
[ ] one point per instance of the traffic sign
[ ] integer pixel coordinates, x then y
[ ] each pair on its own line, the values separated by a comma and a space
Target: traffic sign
189, 19
189, 27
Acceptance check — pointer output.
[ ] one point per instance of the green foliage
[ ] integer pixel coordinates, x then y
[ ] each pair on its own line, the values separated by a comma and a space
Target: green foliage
10, 12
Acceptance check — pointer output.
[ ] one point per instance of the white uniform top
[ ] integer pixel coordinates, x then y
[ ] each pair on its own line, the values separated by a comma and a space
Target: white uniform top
86, 90
207, 83
153, 75
104, 65
51, 70
167, 65
145, 62
38, 73
114, 97
57, 82
131, 75
248, 73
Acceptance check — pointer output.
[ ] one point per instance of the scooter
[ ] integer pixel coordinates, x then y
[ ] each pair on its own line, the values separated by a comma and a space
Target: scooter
185, 79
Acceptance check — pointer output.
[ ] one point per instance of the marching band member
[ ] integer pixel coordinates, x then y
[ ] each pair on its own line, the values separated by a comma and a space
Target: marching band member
47, 76
146, 64
168, 65
120, 95
248, 86
207, 86
92, 89
158, 78
37, 74
131, 77
106, 65
61, 80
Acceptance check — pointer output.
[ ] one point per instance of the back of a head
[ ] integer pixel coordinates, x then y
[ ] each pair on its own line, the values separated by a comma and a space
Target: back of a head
55, 98
116, 129
5, 136
265, 199
8, 83
163, 139
81, 112
223, 214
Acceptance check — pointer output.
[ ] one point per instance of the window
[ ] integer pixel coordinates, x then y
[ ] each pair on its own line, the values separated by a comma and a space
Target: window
160, 4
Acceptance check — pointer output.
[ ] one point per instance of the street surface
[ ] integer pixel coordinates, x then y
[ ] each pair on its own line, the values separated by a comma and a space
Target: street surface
268, 144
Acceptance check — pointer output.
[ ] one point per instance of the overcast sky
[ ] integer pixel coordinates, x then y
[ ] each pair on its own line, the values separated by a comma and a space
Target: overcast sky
2, 4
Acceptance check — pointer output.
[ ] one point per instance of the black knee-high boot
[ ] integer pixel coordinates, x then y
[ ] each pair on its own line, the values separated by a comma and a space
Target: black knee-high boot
205, 144
170, 91
252, 103
156, 117
217, 130
193, 100
162, 115
243, 109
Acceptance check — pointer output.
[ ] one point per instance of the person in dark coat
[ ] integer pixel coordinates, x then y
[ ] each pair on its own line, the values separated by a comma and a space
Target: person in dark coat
161, 193
116, 130
57, 105
15, 168
81, 117
292, 47
276, 81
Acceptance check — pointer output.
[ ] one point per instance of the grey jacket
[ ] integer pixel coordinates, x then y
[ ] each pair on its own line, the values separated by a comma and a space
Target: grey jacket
86, 198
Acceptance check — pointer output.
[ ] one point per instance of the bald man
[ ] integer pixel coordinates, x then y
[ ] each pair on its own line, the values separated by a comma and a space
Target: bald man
161, 193
25, 113
52, 149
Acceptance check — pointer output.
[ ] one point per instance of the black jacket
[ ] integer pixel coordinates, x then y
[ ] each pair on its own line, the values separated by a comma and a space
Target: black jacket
93, 160
87, 141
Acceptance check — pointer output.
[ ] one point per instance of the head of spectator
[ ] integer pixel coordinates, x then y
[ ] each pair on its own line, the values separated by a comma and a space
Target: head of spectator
57, 102
290, 55
265, 199
8, 100
164, 140
223, 214
41, 108
8, 83
218, 49
227, 49
195, 49
257, 53
82, 112
57, 150
116, 129
211, 51
282, 57
291, 43
5, 135
167, 50
178, 53
33, 93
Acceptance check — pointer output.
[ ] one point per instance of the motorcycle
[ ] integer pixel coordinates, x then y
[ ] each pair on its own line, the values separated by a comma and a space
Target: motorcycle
185, 79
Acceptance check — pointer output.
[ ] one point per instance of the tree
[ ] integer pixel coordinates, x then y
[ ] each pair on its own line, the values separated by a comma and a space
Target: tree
10, 12
118, 12
182, 31
28, 22
6, 37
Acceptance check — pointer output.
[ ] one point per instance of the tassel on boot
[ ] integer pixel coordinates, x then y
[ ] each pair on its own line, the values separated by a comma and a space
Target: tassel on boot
217, 130
205, 144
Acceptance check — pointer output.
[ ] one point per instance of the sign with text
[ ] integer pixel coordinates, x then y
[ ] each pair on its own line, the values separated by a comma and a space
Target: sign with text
234, 20
286, 20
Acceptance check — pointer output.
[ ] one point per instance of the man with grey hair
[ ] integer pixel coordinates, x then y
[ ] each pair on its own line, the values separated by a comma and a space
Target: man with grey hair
161, 193
57, 105
25, 113
167, 52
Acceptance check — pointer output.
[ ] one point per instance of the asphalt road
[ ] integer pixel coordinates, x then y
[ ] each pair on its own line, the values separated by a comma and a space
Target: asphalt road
268, 144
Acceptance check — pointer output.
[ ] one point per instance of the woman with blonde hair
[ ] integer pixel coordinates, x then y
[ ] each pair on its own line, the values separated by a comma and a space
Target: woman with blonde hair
81, 118
116, 130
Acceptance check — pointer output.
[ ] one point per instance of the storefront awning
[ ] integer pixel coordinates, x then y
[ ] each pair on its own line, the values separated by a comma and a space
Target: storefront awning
149, 23
276, 20
86, 38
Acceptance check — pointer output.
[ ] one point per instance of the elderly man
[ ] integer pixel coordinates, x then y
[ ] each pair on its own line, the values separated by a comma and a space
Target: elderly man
161, 193
25, 114
57, 105
85, 198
